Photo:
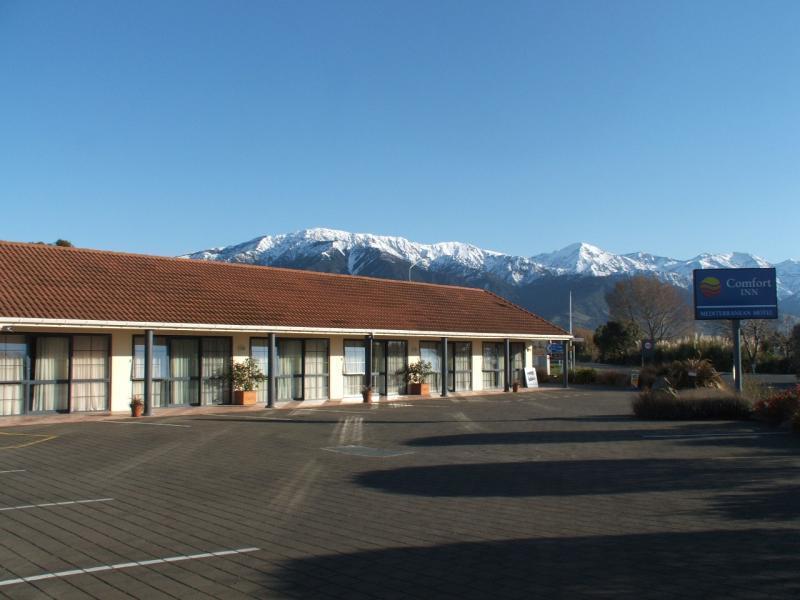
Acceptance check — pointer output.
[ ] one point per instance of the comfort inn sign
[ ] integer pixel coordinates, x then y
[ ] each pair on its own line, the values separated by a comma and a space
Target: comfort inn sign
735, 294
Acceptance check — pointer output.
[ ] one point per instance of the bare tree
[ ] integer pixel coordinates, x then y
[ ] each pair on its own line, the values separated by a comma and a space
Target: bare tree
657, 308
754, 333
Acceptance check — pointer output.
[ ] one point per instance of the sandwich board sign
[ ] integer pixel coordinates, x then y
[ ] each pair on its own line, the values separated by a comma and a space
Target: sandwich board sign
735, 294
530, 378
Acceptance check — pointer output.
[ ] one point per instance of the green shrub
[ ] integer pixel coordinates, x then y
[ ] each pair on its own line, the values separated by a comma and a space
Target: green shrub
613, 378
583, 376
708, 403
754, 390
693, 373
778, 408
543, 377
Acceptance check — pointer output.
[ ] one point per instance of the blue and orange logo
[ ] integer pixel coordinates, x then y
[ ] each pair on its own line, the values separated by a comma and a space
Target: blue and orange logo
710, 287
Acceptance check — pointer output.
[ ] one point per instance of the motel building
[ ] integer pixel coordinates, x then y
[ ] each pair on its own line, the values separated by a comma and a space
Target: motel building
76, 326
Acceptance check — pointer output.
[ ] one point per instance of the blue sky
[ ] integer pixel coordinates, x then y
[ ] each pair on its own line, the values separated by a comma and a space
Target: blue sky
165, 127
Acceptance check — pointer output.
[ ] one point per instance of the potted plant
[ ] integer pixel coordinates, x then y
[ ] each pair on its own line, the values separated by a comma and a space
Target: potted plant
137, 406
515, 386
416, 374
366, 393
246, 377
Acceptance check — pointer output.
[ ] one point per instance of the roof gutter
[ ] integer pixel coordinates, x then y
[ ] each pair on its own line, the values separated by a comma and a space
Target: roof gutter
136, 325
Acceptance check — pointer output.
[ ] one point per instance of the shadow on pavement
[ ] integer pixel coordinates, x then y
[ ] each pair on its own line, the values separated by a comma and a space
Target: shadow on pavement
734, 434
778, 503
709, 564
570, 478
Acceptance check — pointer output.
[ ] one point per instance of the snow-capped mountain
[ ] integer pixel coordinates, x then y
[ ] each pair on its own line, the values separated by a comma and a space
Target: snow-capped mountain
531, 281
579, 259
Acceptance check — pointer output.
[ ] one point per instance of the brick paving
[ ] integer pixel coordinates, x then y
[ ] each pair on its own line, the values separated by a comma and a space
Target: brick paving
546, 494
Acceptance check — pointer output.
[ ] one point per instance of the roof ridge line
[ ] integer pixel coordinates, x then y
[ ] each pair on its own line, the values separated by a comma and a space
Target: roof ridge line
47, 247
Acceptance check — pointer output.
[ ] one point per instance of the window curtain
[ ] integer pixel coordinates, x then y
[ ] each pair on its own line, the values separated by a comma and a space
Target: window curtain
89, 362
161, 362
259, 352
316, 370
462, 362
216, 371
379, 367
290, 369
13, 351
429, 352
493, 365
184, 366
395, 367
52, 365
355, 365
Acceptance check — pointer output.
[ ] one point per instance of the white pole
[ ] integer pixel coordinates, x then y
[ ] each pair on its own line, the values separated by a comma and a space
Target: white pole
570, 312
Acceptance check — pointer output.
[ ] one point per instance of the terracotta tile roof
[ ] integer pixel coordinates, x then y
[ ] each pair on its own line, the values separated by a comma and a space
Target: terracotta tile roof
38, 281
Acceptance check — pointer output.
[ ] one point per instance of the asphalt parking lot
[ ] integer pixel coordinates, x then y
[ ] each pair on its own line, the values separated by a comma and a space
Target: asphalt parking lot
547, 494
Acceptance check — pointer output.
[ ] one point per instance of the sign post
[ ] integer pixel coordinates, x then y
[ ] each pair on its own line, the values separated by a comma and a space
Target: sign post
735, 294
737, 356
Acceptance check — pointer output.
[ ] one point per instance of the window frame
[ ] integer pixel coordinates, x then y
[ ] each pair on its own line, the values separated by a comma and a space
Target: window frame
29, 369
200, 378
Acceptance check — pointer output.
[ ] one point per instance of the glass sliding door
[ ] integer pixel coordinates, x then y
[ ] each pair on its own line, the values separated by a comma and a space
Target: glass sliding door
379, 367
518, 363
215, 368
493, 366
289, 377
13, 359
90, 377
51, 374
302, 368
355, 366
160, 367
389, 360
431, 352
459, 359
259, 352
396, 362
185, 371
315, 367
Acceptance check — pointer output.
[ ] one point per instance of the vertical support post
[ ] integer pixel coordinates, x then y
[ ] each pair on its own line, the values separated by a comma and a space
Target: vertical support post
368, 360
507, 365
737, 356
148, 372
565, 362
272, 367
444, 368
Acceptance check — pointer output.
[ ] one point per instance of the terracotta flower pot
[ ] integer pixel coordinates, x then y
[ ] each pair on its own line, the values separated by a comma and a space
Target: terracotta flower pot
242, 398
419, 389
367, 395
515, 386
137, 410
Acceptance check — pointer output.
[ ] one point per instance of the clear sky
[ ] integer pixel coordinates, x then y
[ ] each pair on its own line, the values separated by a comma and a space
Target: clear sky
165, 127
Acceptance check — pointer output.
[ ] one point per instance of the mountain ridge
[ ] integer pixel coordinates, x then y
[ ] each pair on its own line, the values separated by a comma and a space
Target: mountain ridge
523, 279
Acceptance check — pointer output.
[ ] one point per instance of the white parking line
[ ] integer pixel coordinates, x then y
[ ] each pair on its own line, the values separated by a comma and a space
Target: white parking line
48, 504
144, 423
125, 565
13, 471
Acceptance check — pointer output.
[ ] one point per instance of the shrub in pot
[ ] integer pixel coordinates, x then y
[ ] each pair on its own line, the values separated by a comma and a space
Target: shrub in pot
246, 377
137, 406
416, 374
366, 393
